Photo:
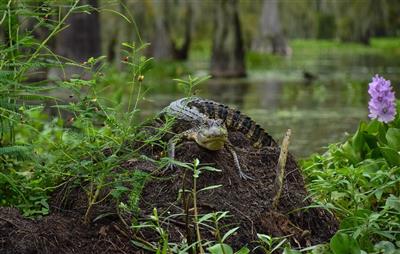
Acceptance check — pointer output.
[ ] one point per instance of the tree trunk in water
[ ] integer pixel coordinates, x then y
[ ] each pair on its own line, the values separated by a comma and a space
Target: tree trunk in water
164, 42
182, 53
162, 46
271, 38
116, 30
227, 52
81, 40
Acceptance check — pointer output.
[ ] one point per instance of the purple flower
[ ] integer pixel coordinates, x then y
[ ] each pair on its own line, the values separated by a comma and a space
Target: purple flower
382, 103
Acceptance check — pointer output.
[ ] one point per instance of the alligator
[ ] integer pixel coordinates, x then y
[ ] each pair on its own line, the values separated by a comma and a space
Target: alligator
211, 121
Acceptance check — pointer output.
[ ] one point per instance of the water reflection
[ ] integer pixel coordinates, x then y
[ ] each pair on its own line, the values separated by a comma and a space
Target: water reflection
318, 112
226, 91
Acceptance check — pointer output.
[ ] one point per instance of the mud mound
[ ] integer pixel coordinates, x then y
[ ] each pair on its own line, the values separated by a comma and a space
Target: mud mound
59, 233
249, 203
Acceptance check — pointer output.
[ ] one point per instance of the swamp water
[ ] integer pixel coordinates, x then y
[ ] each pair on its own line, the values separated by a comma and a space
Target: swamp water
319, 112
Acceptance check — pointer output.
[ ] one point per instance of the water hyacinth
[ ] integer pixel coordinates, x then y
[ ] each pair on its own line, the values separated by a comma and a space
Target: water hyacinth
382, 104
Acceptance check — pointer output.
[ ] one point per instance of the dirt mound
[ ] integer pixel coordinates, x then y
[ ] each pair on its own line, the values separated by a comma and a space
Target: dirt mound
59, 233
249, 203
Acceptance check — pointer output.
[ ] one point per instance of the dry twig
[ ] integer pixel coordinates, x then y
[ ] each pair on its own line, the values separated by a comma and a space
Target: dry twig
279, 180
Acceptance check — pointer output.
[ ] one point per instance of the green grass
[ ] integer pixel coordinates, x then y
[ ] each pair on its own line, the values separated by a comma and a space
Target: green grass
314, 47
303, 50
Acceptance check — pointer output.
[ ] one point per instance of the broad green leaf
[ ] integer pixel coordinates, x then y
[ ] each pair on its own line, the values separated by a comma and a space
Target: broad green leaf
371, 140
358, 142
243, 250
382, 133
230, 232
378, 194
335, 195
393, 138
220, 248
350, 153
384, 247
386, 234
350, 222
318, 249
278, 246
344, 244
373, 127
265, 238
288, 250
145, 246
375, 153
146, 65
391, 156
206, 217
222, 215
393, 202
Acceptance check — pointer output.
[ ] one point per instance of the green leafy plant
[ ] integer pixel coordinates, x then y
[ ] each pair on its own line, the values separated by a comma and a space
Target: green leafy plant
360, 181
269, 244
211, 221
191, 83
22, 57
40, 154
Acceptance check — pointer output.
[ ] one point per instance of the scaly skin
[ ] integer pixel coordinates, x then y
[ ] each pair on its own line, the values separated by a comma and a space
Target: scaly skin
212, 122
233, 120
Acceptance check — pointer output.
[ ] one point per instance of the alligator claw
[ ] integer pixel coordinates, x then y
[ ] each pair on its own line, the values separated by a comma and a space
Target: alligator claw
170, 166
167, 168
244, 176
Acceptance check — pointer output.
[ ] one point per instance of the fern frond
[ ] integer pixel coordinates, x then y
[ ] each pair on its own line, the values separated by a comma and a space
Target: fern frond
32, 65
33, 97
5, 126
7, 112
6, 104
9, 83
4, 74
19, 152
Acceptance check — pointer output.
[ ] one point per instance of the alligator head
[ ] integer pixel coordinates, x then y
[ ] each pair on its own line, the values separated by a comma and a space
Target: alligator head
211, 134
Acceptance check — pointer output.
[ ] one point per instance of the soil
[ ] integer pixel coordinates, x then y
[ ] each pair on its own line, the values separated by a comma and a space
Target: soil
249, 203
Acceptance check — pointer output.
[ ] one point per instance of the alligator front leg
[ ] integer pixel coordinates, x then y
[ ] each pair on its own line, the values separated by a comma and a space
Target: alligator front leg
231, 149
173, 142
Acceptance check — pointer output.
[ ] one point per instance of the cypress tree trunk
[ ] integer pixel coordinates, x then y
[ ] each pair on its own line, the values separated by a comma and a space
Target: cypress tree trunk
162, 46
182, 52
171, 25
271, 37
116, 30
228, 56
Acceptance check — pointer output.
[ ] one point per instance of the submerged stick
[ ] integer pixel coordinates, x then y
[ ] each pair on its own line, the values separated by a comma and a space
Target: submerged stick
281, 168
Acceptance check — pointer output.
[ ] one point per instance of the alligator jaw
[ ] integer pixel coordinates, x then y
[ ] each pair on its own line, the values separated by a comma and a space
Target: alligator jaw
212, 144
